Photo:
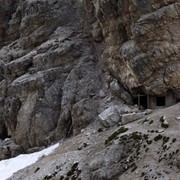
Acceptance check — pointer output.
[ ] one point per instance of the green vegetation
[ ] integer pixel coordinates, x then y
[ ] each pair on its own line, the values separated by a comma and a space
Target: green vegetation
149, 142
144, 121
163, 124
142, 174
73, 169
164, 147
37, 169
165, 139
61, 178
134, 168
47, 177
162, 119
74, 172
151, 122
146, 136
136, 136
115, 135
158, 137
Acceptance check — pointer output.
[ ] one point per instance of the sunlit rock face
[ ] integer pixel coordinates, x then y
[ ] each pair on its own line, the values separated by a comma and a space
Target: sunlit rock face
142, 42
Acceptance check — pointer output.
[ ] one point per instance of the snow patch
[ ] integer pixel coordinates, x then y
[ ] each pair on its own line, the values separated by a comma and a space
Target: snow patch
10, 166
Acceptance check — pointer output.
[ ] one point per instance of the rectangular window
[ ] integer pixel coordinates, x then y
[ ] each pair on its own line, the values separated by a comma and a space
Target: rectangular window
160, 101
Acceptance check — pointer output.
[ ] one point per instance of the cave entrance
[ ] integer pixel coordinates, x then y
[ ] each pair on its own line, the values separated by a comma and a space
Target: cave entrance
141, 100
4, 133
160, 101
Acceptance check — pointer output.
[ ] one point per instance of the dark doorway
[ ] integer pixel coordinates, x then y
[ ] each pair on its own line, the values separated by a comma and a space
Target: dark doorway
141, 100
160, 101
4, 133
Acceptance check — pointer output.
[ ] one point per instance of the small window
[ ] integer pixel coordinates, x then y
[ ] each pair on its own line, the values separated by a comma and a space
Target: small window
160, 101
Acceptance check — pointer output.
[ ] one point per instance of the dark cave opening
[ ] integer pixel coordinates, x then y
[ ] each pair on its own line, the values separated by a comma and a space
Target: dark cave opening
141, 100
69, 127
4, 133
160, 101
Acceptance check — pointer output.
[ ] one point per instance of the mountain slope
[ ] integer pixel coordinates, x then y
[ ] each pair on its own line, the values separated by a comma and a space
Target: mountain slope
145, 150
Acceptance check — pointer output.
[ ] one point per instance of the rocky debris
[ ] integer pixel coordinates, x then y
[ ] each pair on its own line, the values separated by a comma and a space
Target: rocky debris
137, 150
148, 111
130, 117
142, 151
178, 117
113, 113
9, 149
135, 109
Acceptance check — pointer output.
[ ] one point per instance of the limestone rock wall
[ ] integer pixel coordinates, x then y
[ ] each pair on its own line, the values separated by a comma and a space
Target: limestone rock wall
142, 42
51, 82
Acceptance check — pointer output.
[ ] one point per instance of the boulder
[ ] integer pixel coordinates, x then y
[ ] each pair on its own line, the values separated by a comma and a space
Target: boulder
128, 118
110, 117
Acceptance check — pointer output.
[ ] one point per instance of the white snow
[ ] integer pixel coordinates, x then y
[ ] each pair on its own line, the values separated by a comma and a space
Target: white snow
10, 166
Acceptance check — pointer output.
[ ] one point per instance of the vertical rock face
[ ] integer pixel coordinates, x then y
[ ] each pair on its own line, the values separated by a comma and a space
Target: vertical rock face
51, 82
142, 42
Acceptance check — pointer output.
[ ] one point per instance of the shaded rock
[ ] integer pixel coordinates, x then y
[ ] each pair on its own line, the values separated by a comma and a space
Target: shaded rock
83, 113
97, 32
101, 165
9, 149
127, 118
34, 149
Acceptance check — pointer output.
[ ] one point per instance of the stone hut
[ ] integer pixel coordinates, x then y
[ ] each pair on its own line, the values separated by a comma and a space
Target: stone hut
155, 101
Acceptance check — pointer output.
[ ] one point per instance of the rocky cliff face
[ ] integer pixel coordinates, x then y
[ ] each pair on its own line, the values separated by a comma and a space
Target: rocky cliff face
142, 42
64, 62
52, 82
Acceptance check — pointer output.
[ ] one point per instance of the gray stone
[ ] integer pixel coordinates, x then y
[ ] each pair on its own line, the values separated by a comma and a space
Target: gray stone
110, 117
148, 111
83, 113
9, 149
128, 118
102, 93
